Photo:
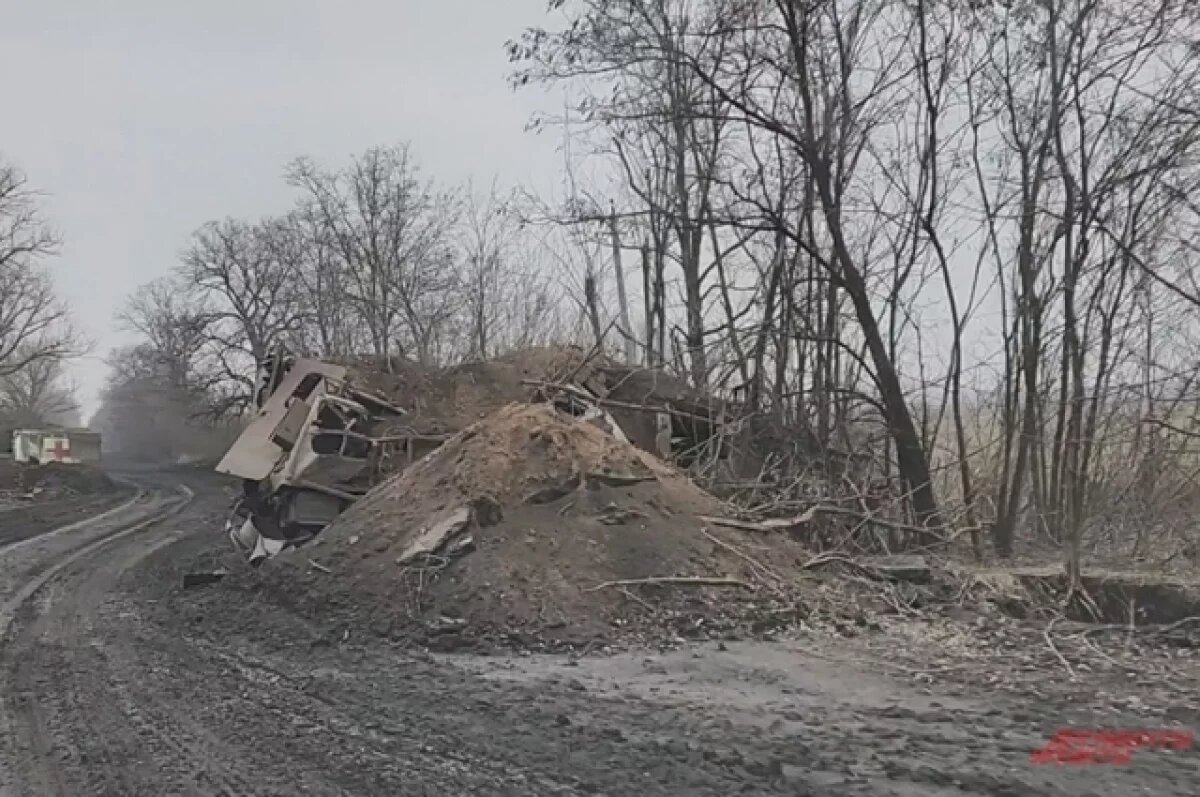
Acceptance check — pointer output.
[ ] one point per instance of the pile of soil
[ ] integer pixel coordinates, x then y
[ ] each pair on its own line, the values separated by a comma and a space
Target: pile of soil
539, 529
20, 480
447, 400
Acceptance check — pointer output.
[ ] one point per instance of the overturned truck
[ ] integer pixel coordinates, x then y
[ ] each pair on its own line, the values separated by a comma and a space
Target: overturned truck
314, 446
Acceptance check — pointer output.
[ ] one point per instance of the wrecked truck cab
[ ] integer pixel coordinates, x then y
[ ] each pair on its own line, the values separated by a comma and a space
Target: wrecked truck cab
308, 453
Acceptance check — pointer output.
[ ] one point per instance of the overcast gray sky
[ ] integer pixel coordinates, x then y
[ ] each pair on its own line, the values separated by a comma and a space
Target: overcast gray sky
142, 119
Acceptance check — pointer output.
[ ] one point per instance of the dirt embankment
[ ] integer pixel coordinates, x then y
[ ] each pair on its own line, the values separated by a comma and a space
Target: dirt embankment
536, 528
29, 482
37, 498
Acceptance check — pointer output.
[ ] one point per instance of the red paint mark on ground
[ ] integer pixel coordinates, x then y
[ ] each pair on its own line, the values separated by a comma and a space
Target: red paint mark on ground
1082, 747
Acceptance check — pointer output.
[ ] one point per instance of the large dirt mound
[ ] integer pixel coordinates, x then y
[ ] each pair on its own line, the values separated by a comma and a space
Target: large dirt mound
535, 527
447, 400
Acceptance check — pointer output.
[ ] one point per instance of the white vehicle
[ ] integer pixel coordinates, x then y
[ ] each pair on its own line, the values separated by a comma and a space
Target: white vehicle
311, 450
39, 446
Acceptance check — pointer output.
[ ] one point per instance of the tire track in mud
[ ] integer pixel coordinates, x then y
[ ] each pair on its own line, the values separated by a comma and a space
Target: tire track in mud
279, 730
106, 716
40, 614
392, 745
14, 541
20, 523
103, 703
328, 708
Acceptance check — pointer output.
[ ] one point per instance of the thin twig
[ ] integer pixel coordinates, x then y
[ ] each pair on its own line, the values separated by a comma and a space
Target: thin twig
745, 557
1166, 629
1132, 622
692, 581
596, 349
1142, 630
636, 599
1096, 649
1054, 650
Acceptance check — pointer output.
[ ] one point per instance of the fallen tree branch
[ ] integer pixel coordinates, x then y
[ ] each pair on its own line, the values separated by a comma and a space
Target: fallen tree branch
597, 347
1141, 630
689, 581
1096, 649
826, 559
821, 559
1054, 649
1166, 629
755, 565
772, 524
783, 524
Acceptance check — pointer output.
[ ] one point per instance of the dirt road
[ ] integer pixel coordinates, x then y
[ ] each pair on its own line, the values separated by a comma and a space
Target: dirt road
116, 681
22, 521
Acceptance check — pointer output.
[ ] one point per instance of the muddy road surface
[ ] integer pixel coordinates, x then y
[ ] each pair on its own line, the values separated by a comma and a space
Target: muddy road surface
117, 681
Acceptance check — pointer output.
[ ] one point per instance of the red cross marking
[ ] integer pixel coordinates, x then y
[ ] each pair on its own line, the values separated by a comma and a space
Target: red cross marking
61, 449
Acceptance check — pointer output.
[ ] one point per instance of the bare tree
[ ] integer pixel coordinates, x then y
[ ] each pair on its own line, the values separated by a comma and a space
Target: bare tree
662, 124
838, 63
489, 234
391, 232
508, 299
40, 393
34, 322
179, 352
330, 325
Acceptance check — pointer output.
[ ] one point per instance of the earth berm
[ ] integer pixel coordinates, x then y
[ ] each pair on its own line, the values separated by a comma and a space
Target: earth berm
535, 528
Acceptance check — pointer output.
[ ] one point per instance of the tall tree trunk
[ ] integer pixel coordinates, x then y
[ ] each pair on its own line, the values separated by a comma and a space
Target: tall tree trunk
911, 460
648, 303
593, 308
622, 300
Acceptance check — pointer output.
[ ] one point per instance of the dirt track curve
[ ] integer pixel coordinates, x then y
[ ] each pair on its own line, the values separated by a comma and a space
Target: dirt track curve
115, 681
